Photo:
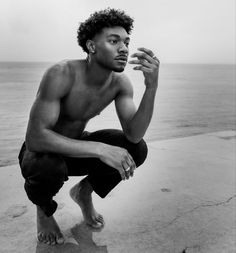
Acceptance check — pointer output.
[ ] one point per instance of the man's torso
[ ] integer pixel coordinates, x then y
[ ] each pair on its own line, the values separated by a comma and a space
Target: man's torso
82, 101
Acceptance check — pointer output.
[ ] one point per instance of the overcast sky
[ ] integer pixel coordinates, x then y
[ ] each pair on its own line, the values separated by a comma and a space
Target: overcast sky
185, 31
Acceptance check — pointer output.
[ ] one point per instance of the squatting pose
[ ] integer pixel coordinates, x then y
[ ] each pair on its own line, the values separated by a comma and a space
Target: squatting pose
70, 94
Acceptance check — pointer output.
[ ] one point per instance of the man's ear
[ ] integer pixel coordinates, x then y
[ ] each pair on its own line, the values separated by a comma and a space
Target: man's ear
91, 46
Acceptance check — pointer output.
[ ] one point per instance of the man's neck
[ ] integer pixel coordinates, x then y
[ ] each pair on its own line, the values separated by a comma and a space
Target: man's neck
96, 75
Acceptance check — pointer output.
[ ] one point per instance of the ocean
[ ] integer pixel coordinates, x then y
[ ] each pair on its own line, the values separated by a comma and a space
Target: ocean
191, 99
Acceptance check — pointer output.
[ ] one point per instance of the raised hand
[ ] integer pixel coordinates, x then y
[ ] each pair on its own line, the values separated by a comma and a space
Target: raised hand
149, 64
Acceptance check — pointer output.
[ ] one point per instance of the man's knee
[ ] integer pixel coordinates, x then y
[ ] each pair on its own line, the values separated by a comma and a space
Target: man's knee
139, 152
44, 167
44, 176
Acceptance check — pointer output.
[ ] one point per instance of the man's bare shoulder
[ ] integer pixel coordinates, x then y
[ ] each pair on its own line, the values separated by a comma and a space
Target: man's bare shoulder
123, 83
58, 79
60, 70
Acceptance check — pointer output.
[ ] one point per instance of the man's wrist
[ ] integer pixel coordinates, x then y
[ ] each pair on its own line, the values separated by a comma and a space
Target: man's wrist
151, 88
100, 149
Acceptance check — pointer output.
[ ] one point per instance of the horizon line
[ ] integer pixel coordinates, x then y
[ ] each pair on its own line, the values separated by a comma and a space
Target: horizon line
51, 61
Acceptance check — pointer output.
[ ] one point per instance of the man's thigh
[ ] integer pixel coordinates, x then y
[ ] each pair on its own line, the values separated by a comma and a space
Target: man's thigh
84, 166
115, 137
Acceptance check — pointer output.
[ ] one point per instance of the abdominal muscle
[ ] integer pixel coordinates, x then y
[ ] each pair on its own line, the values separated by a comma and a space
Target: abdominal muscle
70, 129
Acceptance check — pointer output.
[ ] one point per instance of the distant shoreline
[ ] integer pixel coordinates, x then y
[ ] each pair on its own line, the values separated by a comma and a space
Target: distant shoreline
165, 63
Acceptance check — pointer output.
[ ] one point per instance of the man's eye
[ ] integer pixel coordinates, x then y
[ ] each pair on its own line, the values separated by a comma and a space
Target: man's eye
127, 44
113, 41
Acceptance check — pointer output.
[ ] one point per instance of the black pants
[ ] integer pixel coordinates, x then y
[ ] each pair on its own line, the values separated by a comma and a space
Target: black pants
45, 173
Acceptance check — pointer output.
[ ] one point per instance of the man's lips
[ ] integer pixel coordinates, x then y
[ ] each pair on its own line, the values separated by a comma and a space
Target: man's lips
121, 58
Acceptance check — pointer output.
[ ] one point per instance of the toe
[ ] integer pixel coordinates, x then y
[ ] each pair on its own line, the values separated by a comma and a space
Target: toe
100, 219
43, 238
96, 224
48, 240
53, 242
40, 237
100, 216
60, 239
52, 239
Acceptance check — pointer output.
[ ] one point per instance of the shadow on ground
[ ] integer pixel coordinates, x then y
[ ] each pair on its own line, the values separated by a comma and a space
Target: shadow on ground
83, 235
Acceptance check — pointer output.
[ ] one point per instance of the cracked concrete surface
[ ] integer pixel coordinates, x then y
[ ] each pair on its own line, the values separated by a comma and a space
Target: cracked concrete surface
183, 200
197, 207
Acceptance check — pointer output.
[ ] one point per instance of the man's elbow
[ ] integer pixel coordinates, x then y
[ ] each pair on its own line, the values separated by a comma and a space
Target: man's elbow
132, 138
33, 144
30, 144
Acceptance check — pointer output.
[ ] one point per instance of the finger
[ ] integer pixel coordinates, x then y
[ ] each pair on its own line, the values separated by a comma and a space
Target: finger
144, 69
156, 59
127, 174
122, 173
135, 62
141, 55
131, 171
148, 51
132, 161
142, 62
133, 165
126, 168
147, 54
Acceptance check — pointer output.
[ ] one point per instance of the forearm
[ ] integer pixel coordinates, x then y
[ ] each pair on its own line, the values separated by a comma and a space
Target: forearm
48, 141
139, 123
149, 64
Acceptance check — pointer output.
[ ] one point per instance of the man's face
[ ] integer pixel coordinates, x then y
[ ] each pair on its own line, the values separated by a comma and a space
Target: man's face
112, 48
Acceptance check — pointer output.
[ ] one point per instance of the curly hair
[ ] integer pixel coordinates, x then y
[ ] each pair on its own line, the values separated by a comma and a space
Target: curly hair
99, 20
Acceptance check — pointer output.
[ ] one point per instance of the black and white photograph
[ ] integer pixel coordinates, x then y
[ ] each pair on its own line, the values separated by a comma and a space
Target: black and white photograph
118, 126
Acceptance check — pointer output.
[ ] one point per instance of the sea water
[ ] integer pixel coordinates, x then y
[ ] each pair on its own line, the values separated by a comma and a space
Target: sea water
191, 99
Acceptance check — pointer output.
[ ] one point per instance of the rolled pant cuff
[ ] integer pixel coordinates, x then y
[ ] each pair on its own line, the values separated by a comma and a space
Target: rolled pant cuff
50, 208
103, 190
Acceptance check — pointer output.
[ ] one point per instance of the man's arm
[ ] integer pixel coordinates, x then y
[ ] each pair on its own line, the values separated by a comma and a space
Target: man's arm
40, 136
135, 122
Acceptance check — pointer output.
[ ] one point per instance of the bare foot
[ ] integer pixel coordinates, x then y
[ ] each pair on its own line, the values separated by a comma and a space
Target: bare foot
48, 230
81, 193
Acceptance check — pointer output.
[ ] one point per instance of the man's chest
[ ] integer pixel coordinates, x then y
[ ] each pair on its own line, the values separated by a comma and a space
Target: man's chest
84, 104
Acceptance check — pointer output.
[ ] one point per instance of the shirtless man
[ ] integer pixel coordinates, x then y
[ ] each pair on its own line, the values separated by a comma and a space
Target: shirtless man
71, 93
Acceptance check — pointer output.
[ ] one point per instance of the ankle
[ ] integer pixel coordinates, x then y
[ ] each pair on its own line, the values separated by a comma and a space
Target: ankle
40, 213
85, 188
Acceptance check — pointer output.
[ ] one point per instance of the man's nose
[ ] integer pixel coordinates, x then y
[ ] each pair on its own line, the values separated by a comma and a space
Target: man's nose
123, 48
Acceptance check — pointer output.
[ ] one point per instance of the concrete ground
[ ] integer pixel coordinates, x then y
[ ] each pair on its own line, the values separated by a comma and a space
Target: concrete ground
182, 200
